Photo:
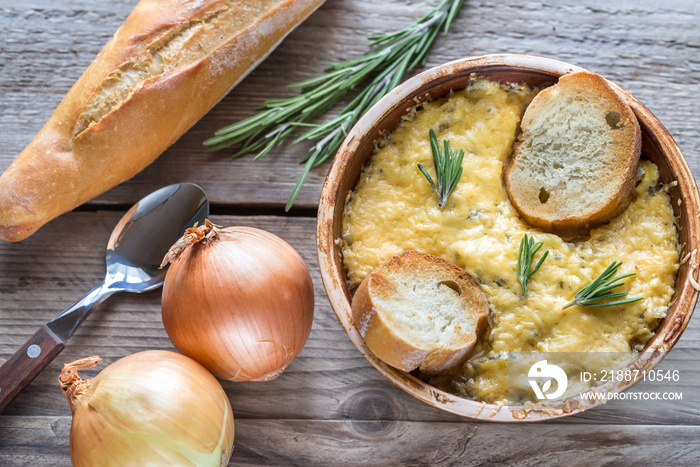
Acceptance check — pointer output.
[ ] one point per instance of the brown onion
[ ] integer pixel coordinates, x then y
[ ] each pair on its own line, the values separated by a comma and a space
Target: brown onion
238, 300
150, 408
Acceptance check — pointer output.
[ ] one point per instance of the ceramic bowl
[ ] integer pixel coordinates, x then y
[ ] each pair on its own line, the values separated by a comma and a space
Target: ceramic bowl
657, 146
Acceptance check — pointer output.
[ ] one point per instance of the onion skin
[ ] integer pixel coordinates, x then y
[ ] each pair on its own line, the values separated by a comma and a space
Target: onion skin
150, 408
238, 300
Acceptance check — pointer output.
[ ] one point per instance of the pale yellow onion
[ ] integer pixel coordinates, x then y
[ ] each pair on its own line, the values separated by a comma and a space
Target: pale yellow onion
238, 300
150, 408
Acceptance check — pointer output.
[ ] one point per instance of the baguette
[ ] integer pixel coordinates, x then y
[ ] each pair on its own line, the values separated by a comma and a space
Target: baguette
576, 161
419, 311
165, 67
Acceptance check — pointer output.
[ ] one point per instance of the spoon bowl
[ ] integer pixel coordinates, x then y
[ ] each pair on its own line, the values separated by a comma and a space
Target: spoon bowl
135, 250
143, 236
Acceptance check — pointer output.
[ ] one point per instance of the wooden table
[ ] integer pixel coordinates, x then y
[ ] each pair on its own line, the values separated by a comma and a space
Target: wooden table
330, 406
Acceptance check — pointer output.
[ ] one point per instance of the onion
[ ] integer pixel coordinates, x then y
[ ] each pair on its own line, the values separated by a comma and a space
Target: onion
238, 300
150, 408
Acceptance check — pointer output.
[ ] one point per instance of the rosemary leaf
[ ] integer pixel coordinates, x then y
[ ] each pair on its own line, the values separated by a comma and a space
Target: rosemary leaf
392, 55
526, 253
598, 292
448, 169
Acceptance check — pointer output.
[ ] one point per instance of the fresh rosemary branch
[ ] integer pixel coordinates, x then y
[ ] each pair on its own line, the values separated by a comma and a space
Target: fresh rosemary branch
392, 55
526, 253
448, 168
594, 293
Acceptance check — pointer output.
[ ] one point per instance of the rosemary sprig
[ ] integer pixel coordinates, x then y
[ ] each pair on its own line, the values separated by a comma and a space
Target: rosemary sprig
594, 294
392, 55
526, 253
448, 168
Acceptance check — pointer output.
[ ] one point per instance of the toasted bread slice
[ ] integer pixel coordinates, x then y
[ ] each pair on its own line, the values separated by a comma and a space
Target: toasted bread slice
576, 160
419, 311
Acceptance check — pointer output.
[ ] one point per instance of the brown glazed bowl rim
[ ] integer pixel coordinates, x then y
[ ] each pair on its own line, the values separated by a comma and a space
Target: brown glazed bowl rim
345, 170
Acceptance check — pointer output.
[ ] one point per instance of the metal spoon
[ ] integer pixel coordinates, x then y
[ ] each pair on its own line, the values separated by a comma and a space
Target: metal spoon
134, 253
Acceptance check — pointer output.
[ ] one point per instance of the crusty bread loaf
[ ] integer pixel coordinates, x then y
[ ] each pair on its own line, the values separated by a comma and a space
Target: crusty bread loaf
419, 311
576, 160
165, 67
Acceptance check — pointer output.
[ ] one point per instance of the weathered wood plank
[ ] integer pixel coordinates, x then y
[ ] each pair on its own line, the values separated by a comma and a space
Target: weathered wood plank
331, 406
390, 442
648, 47
415, 443
329, 379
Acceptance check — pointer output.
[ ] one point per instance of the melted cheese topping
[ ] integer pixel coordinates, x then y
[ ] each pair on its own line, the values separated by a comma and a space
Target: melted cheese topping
394, 209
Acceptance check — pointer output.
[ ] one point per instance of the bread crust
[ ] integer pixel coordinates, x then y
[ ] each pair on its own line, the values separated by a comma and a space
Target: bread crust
618, 180
377, 326
63, 167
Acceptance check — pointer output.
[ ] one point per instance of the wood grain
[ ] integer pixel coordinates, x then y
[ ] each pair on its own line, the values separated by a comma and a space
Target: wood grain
648, 47
27, 362
379, 442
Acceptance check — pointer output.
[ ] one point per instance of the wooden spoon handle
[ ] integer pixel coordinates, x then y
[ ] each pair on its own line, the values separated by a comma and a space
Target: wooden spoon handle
27, 363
